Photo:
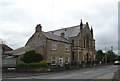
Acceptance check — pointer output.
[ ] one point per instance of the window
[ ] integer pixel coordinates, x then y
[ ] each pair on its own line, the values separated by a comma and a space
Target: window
53, 45
53, 61
72, 56
66, 47
85, 43
65, 29
66, 59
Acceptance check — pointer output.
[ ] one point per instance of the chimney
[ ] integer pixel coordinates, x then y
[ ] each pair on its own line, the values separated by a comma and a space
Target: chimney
63, 35
81, 25
91, 31
38, 28
87, 24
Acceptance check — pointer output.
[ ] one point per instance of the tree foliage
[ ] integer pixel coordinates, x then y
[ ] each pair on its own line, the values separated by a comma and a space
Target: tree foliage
100, 55
31, 57
111, 57
118, 57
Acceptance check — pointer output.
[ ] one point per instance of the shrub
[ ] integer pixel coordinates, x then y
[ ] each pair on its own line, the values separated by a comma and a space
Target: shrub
34, 65
31, 57
22, 64
29, 65
43, 63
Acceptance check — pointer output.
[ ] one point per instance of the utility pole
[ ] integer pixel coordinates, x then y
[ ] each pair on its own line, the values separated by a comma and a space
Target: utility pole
1, 50
1, 42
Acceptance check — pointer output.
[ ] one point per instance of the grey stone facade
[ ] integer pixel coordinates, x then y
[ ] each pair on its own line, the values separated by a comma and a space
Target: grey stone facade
82, 41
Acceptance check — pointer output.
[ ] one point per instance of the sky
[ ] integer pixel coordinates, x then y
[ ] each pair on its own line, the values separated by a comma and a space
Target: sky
18, 19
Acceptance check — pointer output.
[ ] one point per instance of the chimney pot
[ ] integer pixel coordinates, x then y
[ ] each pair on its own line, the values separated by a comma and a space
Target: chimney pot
38, 28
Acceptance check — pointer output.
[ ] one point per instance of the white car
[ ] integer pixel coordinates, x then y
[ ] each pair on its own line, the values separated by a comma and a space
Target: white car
117, 63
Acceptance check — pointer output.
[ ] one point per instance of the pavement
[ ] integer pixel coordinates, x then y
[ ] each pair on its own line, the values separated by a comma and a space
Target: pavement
108, 76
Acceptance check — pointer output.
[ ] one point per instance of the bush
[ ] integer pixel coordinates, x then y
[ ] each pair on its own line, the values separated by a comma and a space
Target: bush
43, 63
22, 64
31, 57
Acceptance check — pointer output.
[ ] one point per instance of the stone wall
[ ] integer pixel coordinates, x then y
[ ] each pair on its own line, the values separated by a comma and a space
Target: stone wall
59, 52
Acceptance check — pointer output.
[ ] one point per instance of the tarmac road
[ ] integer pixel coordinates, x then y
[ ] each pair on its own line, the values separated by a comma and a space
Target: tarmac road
83, 73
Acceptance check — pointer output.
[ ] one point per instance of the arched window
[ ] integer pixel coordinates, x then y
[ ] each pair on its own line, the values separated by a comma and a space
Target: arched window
87, 56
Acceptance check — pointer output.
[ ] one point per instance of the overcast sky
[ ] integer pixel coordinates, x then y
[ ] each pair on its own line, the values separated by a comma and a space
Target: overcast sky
18, 19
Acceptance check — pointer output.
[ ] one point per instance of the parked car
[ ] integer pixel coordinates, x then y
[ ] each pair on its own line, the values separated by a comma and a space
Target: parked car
117, 63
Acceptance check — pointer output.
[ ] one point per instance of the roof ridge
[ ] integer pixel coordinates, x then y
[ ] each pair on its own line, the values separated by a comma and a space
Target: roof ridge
64, 28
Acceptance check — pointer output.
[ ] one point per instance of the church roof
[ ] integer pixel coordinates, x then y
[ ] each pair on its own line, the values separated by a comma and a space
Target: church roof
69, 32
55, 37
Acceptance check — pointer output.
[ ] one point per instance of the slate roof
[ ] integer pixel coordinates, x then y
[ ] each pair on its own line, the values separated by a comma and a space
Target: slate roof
69, 32
55, 37
22, 50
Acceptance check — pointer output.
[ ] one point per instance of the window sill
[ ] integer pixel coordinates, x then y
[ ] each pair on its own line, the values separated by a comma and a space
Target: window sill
53, 64
67, 51
54, 49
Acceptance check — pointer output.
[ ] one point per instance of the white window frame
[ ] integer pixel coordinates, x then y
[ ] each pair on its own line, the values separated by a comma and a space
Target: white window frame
53, 45
53, 60
62, 61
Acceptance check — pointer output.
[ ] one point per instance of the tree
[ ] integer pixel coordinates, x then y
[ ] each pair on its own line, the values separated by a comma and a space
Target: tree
31, 57
100, 55
110, 56
118, 57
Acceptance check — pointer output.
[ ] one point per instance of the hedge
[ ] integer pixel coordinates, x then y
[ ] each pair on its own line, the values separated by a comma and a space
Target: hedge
40, 64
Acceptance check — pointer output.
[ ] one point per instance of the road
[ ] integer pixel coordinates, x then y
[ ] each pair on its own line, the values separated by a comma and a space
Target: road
83, 73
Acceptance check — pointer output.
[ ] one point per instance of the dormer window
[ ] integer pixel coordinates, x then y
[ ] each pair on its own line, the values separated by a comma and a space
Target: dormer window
65, 29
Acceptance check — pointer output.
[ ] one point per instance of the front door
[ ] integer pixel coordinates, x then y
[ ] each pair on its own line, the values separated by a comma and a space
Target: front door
61, 61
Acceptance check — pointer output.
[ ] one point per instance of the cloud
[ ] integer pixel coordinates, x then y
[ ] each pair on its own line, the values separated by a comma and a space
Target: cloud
19, 18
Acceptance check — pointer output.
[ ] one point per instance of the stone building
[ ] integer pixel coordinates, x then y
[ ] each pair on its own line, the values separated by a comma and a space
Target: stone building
71, 44
82, 41
56, 50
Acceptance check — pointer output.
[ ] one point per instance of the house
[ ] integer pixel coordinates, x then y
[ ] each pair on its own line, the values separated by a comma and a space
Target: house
70, 44
8, 60
82, 42
56, 50
5, 48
